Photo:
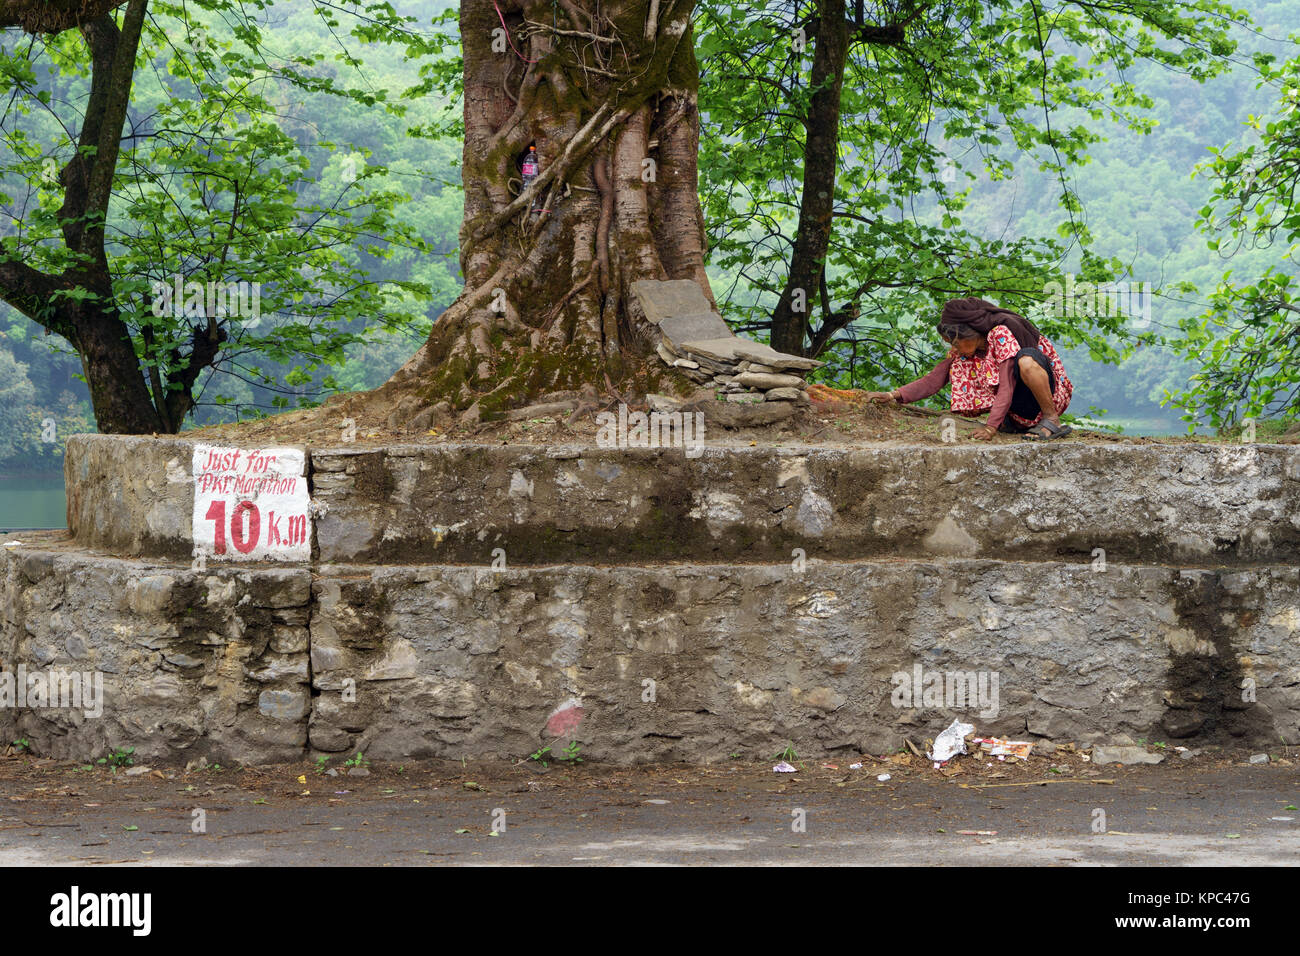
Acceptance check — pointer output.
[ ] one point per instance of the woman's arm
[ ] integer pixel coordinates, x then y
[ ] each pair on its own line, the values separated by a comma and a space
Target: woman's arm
1002, 398
926, 385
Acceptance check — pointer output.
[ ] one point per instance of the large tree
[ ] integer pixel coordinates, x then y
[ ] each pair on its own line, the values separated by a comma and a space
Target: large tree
142, 150
606, 92
77, 302
821, 116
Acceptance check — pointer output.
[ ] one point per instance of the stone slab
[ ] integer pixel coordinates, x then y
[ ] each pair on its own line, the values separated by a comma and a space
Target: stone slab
661, 299
737, 349
720, 350
742, 411
677, 329
1127, 756
766, 380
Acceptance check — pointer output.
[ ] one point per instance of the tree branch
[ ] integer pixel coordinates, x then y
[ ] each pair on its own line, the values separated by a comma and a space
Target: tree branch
99, 187
30, 292
53, 16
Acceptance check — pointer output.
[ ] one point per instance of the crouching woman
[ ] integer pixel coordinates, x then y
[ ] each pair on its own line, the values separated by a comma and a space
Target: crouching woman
998, 363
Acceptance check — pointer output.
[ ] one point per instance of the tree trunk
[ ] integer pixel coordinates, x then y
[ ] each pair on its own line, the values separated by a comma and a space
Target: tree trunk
92, 324
821, 162
117, 391
608, 96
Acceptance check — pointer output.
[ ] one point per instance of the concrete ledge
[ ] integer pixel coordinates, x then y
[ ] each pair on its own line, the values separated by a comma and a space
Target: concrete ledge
1202, 504
667, 662
130, 494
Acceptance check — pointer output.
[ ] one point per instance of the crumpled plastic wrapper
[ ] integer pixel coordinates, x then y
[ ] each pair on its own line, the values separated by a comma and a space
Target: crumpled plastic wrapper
1001, 749
951, 742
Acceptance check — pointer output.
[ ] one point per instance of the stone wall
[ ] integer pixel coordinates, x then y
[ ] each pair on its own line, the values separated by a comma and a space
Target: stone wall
475, 600
1197, 504
657, 662
193, 664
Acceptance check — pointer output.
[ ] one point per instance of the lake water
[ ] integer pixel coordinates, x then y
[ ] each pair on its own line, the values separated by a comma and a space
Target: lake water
33, 501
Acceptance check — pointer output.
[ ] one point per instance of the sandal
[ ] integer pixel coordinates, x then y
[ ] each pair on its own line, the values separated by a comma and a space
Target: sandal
1046, 431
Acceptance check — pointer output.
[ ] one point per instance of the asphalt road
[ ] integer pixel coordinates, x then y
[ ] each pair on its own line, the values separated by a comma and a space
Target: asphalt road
1221, 812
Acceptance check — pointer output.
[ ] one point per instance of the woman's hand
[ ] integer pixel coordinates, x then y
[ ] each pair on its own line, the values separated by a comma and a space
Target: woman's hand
984, 434
880, 396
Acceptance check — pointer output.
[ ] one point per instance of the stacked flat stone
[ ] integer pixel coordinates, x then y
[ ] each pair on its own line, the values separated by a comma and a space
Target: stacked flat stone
695, 340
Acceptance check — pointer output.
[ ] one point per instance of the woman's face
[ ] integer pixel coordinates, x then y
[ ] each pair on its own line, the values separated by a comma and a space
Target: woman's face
968, 347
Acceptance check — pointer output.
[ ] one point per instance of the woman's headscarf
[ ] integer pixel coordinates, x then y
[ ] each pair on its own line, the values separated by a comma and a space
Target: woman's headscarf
982, 316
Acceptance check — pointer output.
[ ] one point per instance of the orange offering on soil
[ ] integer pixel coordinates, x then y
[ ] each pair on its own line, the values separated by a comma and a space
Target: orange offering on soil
825, 395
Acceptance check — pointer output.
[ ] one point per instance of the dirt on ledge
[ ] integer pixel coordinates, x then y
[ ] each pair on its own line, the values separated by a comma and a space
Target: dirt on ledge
827, 424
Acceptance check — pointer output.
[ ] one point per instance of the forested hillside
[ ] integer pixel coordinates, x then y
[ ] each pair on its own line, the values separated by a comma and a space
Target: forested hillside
1140, 201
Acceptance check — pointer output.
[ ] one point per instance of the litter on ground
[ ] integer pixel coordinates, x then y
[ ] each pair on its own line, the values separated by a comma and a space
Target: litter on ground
1002, 749
951, 742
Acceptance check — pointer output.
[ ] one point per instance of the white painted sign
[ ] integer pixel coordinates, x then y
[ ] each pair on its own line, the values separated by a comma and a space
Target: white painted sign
251, 504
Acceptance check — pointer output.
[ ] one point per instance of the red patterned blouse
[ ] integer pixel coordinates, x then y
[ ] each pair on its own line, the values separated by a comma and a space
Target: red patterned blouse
975, 380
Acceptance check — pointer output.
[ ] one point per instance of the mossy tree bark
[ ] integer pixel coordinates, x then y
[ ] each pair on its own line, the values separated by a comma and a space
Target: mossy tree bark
606, 91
